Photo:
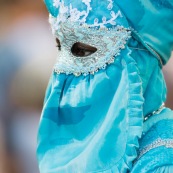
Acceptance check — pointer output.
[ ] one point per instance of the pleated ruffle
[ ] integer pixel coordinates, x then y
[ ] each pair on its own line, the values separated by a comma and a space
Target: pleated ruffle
135, 115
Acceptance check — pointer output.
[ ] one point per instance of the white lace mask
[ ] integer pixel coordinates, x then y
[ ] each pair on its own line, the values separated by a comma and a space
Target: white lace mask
108, 43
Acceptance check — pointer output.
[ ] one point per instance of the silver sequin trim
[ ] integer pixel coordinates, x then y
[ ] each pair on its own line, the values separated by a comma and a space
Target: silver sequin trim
108, 42
158, 111
168, 143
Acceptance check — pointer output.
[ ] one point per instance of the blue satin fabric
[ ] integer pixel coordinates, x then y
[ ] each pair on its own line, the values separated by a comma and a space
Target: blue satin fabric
153, 21
153, 84
86, 126
158, 159
93, 123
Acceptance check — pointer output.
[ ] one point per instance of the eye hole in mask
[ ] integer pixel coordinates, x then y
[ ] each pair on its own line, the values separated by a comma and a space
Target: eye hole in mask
58, 44
81, 50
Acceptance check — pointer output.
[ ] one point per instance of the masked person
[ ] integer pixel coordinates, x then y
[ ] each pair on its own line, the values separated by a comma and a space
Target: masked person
104, 106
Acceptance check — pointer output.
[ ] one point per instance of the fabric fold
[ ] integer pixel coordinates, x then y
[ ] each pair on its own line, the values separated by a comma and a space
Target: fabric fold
98, 145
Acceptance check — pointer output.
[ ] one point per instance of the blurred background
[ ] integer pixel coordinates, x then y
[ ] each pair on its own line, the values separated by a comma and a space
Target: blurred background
27, 55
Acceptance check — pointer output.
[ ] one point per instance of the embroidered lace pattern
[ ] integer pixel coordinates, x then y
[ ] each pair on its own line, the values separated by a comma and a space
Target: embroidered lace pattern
108, 42
74, 15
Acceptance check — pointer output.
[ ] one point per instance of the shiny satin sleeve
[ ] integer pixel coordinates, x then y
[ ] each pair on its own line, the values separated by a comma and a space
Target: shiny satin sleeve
156, 145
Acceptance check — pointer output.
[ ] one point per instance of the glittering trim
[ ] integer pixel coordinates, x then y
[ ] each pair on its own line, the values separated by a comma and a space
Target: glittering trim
158, 56
168, 143
109, 43
158, 111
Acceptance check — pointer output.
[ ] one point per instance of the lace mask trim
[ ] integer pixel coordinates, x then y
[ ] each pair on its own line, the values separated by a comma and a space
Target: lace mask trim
108, 43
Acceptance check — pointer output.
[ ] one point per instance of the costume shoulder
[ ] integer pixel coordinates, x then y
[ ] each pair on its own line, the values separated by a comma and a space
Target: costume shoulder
156, 145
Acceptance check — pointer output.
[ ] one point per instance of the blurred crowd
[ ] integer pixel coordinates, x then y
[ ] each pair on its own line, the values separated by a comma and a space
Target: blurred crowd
27, 54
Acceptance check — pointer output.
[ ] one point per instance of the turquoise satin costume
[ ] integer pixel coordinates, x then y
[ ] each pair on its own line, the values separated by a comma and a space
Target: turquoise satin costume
104, 112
